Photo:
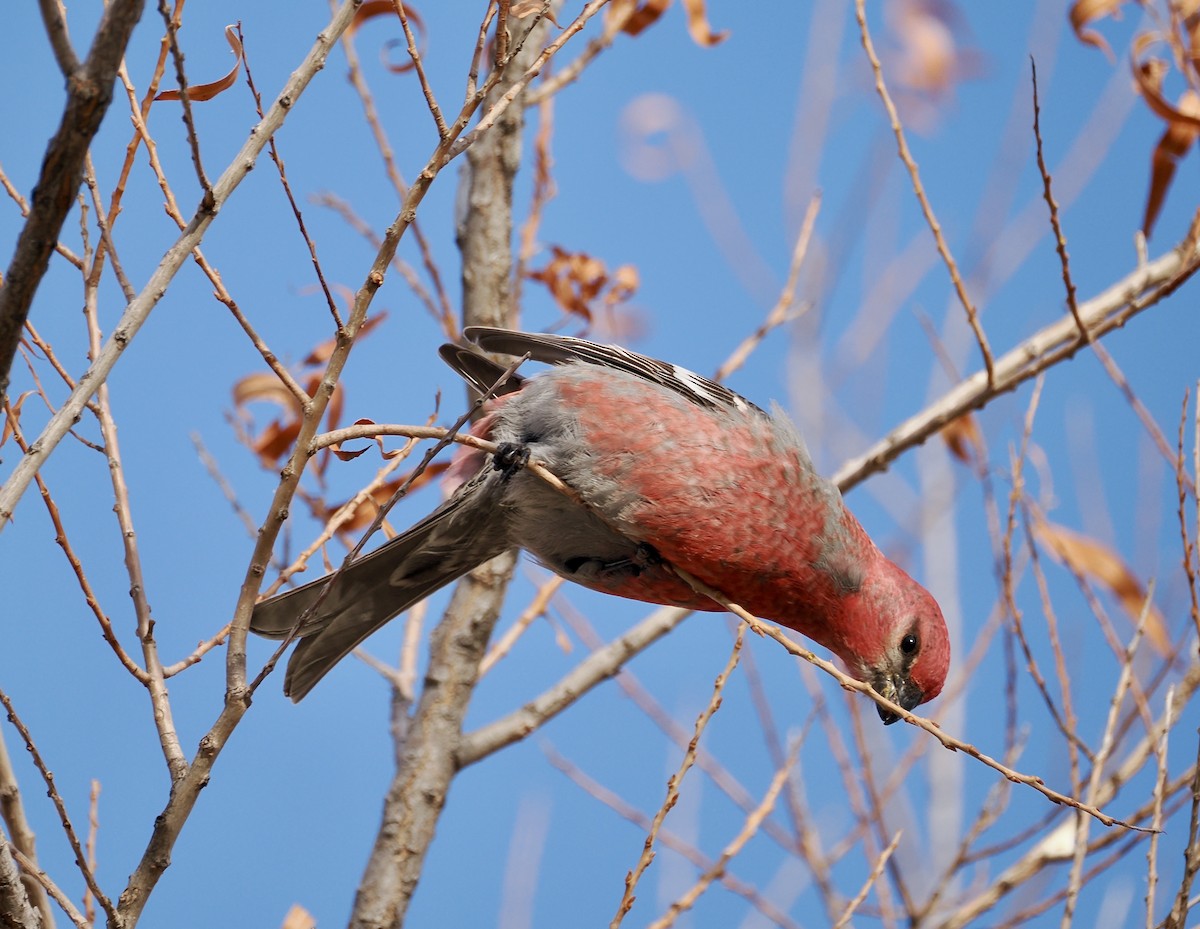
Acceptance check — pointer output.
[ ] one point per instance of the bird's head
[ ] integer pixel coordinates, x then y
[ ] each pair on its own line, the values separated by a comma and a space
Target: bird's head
897, 639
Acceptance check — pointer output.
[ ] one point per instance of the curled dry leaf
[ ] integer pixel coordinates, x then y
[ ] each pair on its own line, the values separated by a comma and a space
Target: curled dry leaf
698, 27
1085, 12
1092, 559
202, 92
274, 442
1174, 144
372, 8
378, 440
963, 438
635, 17
577, 281
1182, 119
1149, 75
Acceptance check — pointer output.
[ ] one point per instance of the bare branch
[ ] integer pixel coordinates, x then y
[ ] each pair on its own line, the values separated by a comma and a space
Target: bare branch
673, 785
1110, 310
919, 189
81, 862
139, 309
89, 92
55, 18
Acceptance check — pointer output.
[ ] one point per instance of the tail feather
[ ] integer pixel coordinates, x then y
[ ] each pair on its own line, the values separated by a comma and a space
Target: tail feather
464, 532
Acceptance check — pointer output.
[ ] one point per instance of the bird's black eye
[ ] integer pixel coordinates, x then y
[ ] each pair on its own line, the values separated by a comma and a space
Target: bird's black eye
909, 644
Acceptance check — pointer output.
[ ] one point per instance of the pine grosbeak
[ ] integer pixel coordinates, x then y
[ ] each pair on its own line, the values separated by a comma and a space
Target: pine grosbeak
675, 469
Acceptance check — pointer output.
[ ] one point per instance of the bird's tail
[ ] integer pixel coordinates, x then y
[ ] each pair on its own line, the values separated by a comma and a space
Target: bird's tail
464, 532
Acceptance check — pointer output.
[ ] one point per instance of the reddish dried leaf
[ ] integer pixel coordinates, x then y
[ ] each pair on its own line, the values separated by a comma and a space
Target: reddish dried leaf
641, 17
1149, 76
372, 8
378, 440
650, 11
369, 10
1172, 146
343, 455
276, 442
201, 92
1085, 12
1092, 559
963, 438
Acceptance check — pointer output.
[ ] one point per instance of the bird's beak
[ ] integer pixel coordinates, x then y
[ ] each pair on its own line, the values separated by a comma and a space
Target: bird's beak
899, 690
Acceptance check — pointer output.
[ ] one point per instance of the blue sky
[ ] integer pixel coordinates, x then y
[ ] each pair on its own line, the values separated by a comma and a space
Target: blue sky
782, 108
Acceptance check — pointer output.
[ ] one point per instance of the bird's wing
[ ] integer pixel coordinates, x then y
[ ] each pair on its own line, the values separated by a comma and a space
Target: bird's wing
561, 349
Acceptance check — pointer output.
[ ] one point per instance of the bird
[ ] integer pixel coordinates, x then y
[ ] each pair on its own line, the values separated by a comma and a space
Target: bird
668, 468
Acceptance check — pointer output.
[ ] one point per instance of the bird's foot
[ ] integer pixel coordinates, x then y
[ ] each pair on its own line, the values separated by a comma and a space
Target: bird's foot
510, 458
585, 567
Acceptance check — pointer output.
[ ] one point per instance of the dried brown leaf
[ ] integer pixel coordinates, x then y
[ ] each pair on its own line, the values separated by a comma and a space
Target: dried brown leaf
1172, 146
274, 443
649, 12
378, 440
372, 8
698, 27
1085, 12
577, 280
369, 10
625, 283
963, 438
298, 918
1090, 558
1149, 75
201, 92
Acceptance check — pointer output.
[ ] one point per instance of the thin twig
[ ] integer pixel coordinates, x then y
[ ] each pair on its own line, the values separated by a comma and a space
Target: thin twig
876, 871
748, 830
782, 311
1159, 797
674, 782
155, 683
668, 839
64, 542
172, 25
430, 100
287, 187
1143, 288
919, 189
850, 683
1060, 241
138, 310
